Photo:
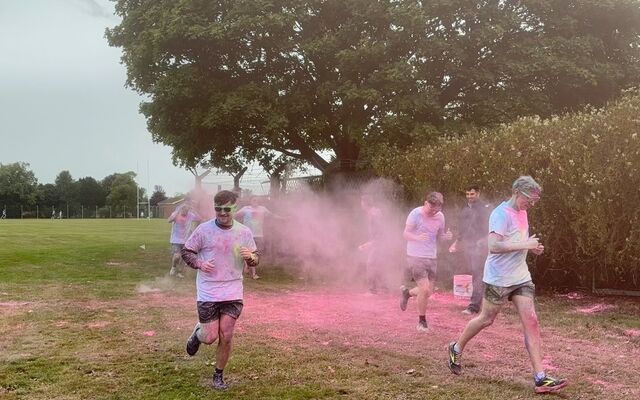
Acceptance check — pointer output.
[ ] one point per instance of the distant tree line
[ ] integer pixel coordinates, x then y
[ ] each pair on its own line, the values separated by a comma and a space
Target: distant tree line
113, 196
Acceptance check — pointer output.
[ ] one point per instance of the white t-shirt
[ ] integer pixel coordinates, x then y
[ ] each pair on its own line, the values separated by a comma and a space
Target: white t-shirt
182, 227
508, 269
432, 226
222, 246
253, 218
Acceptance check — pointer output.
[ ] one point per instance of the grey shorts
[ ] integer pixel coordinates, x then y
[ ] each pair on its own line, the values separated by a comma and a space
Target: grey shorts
422, 268
499, 295
209, 311
176, 247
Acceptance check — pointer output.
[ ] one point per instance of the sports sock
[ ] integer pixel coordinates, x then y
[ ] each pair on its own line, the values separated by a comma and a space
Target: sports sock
539, 376
219, 371
422, 318
457, 348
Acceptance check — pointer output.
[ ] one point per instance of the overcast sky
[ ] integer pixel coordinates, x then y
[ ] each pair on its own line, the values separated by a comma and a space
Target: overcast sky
63, 104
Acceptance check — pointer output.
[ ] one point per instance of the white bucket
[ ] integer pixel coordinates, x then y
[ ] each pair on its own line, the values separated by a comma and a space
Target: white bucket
462, 286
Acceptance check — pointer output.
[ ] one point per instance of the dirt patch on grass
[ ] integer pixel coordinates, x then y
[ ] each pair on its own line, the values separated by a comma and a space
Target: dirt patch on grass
340, 320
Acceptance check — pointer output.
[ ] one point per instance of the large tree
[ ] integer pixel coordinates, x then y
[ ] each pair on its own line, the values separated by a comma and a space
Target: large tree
66, 187
89, 192
122, 195
157, 196
298, 78
18, 185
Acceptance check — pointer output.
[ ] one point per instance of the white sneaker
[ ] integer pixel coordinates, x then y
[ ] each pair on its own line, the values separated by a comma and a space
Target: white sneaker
255, 277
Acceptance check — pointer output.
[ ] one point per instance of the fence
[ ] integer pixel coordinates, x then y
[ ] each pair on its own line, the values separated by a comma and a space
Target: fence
77, 212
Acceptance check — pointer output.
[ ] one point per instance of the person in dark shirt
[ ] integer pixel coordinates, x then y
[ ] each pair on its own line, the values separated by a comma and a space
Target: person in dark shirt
472, 242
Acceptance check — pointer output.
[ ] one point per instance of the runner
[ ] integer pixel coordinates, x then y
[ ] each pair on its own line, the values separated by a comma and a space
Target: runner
507, 278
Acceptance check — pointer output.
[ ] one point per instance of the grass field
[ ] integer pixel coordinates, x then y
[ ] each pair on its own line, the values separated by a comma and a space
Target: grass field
86, 313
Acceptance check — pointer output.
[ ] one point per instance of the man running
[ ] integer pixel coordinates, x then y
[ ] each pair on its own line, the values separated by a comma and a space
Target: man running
219, 249
424, 226
183, 220
253, 216
507, 278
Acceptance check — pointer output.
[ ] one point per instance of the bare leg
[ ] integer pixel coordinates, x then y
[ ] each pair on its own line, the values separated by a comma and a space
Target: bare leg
227, 325
486, 317
528, 317
175, 264
422, 292
208, 332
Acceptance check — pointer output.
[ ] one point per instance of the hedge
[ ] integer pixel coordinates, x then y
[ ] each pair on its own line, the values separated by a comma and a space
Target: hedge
587, 164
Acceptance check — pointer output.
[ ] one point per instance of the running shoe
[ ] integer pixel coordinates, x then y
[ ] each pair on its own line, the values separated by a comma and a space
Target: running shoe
549, 384
218, 382
454, 359
193, 343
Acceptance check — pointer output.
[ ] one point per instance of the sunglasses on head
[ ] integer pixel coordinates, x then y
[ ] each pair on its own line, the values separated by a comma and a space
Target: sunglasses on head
225, 209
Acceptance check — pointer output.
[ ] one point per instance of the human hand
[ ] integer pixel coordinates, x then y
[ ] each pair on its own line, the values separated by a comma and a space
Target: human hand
538, 250
246, 253
206, 266
532, 243
422, 237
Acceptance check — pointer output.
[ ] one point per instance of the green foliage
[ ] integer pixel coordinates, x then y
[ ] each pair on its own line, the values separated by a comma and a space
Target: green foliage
18, 184
157, 196
122, 197
257, 79
587, 164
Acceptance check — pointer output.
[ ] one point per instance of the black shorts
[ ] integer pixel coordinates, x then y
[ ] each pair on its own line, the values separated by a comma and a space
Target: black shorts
209, 311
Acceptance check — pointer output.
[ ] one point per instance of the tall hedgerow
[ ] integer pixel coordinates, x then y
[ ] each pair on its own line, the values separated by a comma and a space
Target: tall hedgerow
587, 164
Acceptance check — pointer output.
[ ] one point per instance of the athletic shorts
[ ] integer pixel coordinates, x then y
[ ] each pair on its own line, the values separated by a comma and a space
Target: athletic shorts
422, 268
499, 295
176, 247
209, 311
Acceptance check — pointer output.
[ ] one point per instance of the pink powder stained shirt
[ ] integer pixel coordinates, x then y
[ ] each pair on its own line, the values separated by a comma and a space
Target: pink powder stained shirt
182, 226
431, 226
508, 269
222, 246
253, 218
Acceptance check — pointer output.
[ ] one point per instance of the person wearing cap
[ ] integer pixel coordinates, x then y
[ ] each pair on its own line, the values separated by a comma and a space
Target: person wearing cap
424, 226
183, 221
471, 241
507, 278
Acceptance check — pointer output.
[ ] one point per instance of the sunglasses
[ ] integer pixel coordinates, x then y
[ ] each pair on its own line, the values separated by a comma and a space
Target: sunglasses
225, 209
530, 199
